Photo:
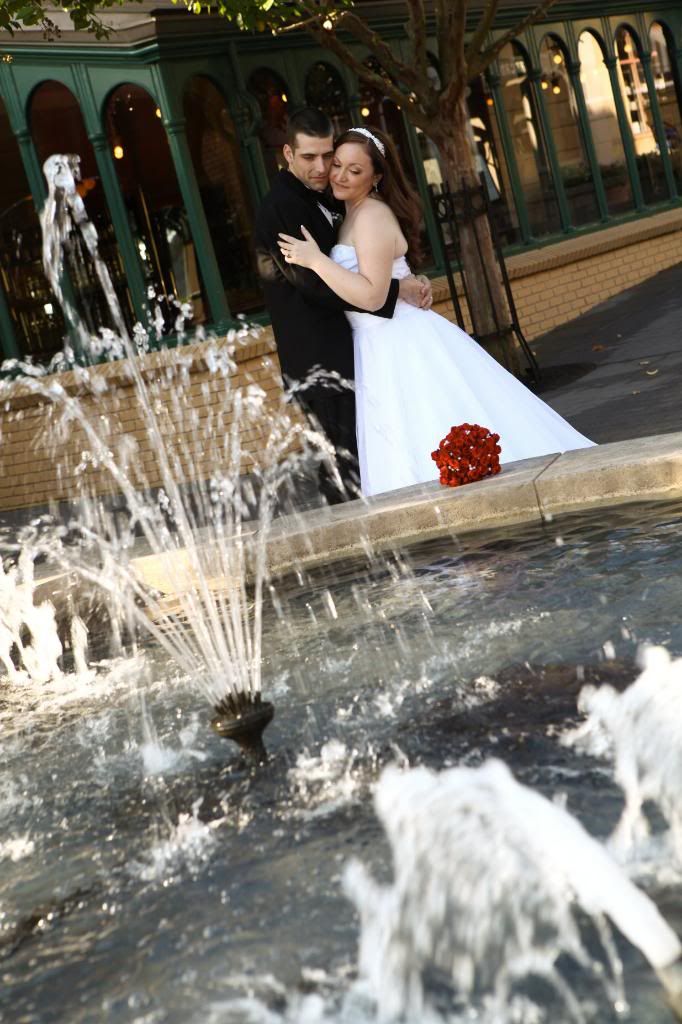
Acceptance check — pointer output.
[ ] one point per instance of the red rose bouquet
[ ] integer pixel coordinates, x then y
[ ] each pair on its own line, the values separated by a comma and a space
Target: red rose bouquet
468, 453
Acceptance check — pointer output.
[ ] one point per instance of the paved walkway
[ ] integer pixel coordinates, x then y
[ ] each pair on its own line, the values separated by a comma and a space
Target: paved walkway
616, 372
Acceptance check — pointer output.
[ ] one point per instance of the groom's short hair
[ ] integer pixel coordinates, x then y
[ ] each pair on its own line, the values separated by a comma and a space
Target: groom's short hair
308, 121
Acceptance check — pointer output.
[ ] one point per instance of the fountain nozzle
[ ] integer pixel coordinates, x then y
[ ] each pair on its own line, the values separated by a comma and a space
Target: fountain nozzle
243, 717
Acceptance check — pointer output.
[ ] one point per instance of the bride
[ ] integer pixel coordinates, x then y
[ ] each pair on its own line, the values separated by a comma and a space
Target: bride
417, 374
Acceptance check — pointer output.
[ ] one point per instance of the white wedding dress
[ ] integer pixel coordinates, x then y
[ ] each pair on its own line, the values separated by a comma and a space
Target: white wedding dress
416, 376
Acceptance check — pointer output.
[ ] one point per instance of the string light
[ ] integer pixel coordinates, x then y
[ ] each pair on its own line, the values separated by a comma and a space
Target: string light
558, 59
158, 112
365, 111
556, 88
490, 101
328, 24
544, 84
284, 98
118, 152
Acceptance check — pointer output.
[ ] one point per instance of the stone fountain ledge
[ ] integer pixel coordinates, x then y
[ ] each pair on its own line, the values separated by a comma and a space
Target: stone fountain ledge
644, 469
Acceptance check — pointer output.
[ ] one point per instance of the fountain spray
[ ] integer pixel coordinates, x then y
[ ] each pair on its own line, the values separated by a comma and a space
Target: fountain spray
487, 875
217, 632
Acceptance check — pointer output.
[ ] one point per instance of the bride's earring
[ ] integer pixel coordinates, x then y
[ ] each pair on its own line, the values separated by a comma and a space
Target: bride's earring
376, 187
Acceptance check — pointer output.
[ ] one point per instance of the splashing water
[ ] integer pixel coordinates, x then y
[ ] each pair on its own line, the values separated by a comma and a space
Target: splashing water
640, 731
488, 877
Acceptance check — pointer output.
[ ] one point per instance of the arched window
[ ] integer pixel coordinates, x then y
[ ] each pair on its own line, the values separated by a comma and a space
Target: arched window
325, 90
638, 109
273, 99
601, 107
529, 147
57, 126
152, 197
37, 320
667, 84
564, 122
214, 146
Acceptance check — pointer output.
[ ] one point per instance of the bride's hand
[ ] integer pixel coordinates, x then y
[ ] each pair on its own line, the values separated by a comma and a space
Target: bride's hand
303, 252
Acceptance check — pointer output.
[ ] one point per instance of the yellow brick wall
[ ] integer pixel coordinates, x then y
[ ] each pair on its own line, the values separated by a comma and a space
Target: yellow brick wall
41, 457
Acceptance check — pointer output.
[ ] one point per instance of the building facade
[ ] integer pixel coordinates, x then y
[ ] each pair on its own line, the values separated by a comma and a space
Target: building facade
179, 120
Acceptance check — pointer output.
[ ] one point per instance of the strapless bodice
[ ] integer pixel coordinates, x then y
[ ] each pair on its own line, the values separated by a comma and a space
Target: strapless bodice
346, 256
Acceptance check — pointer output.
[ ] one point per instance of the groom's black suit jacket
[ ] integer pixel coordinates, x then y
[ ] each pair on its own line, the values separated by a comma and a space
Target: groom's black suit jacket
307, 317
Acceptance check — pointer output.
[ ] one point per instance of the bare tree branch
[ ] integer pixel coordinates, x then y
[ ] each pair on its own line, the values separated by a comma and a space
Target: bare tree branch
417, 34
481, 34
445, 57
488, 56
455, 76
396, 69
384, 86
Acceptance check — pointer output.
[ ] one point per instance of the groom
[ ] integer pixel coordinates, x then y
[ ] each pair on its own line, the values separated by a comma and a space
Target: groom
308, 321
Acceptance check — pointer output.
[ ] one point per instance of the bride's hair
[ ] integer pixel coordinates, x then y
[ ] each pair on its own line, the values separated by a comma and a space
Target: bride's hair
394, 187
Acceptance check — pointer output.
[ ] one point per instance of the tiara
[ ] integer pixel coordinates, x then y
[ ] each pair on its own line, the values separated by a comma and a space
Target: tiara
377, 142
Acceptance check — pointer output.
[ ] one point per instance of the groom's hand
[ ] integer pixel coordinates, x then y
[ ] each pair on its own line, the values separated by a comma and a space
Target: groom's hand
417, 291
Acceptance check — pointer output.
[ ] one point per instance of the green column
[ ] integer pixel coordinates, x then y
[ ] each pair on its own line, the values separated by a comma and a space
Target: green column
203, 246
246, 114
354, 108
626, 133
659, 127
573, 68
534, 76
510, 157
8, 339
121, 224
422, 184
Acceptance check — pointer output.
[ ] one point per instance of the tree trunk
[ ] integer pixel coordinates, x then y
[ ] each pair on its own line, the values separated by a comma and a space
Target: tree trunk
489, 310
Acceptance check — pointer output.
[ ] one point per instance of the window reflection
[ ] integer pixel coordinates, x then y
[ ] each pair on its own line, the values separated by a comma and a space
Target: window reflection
324, 89
564, 121
529, 147
57, 126
667, 86
638, 109
37, 320
155, 208
273, 99
596, 83
215, 154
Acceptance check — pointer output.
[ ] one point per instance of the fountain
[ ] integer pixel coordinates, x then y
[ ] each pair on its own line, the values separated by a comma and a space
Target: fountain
194, 888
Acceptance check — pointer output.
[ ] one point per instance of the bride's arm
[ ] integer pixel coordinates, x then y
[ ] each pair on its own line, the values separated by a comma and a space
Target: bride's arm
374, 235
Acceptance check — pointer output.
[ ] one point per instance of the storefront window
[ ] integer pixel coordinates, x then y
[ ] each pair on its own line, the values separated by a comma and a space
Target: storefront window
36, 318
155, 208
57, 126
638, 109
669, 94
596, 83
564, 122
529, 147
214, 147
324, 89
271, 92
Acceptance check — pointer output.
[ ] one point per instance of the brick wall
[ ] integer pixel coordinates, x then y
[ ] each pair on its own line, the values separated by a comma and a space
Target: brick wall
557, 283
42, 454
